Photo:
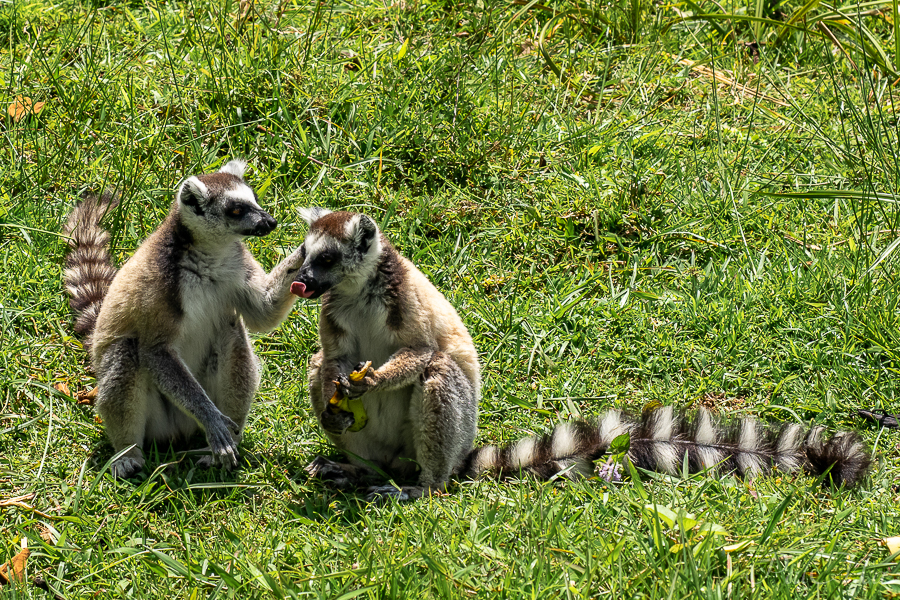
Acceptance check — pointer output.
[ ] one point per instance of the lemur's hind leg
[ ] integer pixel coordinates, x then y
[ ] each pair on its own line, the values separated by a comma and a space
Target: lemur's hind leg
123, 405
444, 413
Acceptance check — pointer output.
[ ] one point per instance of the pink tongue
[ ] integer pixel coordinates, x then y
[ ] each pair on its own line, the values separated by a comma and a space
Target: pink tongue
299, 289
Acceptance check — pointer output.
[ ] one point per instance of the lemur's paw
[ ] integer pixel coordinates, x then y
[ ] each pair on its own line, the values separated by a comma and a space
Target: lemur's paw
222, 445
126, 466
333, 474
383, 493
337, 421
357, 383
345, 410
209, 460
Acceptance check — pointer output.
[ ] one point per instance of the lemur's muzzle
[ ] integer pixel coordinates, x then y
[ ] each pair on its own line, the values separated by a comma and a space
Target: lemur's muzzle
264, 225
306, 286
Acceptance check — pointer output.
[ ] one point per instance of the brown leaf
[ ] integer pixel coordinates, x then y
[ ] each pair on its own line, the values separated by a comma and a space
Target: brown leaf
86, 398
14, 570
62, 387
48, 533
22, 107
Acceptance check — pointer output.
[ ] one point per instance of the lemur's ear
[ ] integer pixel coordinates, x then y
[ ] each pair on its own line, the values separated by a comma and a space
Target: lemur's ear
312, 214
193, 193
235, 167
365, 233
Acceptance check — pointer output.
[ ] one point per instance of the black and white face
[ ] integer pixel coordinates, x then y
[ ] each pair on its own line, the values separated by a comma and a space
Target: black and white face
340, 247
223, 205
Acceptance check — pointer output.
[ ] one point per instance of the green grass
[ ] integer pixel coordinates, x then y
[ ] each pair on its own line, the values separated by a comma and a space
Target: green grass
613, 227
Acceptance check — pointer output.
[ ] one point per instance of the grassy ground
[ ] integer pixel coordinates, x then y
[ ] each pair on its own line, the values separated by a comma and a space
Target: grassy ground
627, 202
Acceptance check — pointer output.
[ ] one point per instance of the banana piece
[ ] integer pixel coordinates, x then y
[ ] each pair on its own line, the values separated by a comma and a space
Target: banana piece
360, 375
339, 403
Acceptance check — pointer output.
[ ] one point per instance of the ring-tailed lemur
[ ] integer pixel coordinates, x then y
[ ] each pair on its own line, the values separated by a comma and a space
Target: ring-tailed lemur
167, 333
421, 399
422, 396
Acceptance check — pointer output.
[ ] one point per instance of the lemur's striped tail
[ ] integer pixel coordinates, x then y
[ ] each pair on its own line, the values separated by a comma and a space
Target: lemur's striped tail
89, 269
661, 438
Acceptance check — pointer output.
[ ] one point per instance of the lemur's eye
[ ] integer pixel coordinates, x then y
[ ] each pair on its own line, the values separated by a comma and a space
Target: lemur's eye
324, 260
237, 211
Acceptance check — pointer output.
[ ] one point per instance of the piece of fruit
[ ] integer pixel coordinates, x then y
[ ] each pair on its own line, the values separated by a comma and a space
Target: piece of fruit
339, 403
360, 374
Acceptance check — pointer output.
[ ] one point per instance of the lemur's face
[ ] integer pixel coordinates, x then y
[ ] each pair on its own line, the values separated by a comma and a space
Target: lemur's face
223, 204
338, 248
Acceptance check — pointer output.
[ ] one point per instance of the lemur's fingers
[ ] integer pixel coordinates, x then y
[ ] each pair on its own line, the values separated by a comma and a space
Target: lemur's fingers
351, 388
235, 429
227, 456
345, 410
344, 388
221, 443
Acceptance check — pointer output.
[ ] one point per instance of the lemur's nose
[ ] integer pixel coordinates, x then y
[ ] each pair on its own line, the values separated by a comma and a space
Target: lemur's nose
266, 225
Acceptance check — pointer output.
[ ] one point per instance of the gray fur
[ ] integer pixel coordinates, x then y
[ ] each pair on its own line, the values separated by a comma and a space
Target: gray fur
170, 346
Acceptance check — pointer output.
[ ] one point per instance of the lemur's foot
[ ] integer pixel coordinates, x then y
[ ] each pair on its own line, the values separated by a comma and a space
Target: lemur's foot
338, 475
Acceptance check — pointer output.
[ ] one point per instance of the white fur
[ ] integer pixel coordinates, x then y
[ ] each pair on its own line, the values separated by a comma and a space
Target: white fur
315, 243
351, 226
245, 194
787, 447
706, 431
485, 459
312, 214
563, 443
522, 453
663, 423
709, 457
235, 167
611, 427
195, 184
706, 436
667, 459
748, 443
814, 437
663, 427
368, 337
790, 439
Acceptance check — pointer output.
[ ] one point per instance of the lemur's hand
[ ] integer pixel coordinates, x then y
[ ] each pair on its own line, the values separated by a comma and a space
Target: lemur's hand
294, 261
360, 381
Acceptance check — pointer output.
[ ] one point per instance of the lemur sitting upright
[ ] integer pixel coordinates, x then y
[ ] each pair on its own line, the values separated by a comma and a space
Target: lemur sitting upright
167, 333
421, 398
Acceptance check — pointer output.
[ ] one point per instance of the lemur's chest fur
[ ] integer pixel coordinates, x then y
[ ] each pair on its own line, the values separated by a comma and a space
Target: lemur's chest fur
365, 332
208, 286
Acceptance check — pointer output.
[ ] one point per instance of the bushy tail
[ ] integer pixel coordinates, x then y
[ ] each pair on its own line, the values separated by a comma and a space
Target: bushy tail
661, 438
89, 269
